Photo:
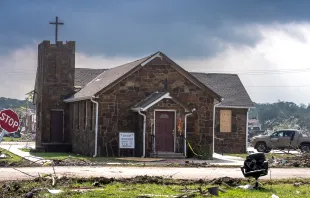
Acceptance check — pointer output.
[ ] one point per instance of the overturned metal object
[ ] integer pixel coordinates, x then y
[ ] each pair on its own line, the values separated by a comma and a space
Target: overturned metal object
255, 166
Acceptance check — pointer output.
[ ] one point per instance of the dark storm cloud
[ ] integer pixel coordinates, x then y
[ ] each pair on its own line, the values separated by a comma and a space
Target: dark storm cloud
122, 27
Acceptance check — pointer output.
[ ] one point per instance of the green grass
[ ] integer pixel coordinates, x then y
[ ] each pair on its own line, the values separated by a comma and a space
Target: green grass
11, 159
25, 149
10, 139
282, 190
133, 190
165, 187
68, 156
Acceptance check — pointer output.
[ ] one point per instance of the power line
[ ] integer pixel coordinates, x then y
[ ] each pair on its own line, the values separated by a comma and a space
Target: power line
279, 86
245, 72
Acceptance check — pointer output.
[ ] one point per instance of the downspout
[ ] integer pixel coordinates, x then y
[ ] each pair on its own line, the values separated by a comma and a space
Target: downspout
144, 131
214, 122
185, 130
247, 130
96, 125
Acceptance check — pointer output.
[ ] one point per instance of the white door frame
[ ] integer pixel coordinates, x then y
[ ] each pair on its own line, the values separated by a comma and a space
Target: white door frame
175, 117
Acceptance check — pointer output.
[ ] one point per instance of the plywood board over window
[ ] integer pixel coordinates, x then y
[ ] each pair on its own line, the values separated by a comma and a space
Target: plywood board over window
225, 121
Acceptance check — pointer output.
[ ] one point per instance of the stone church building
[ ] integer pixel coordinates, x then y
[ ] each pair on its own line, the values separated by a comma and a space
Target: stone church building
171, 111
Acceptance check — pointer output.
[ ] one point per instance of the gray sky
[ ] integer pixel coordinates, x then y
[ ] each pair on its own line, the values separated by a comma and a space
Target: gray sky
265, 42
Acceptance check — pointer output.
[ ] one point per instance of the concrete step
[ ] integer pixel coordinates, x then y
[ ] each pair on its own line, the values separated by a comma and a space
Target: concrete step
168, 155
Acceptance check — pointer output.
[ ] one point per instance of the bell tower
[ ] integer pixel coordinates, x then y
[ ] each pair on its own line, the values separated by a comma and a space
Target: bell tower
54, 82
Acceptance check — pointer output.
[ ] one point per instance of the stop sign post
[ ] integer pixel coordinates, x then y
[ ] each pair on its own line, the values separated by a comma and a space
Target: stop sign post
9, 120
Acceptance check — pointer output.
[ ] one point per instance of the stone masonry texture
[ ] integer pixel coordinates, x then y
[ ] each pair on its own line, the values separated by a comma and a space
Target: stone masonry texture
54, 82
234, 141
115, 114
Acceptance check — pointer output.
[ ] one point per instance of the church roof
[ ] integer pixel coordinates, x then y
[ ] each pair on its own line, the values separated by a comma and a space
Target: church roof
103, 80
85, 75
229, 86
109, 77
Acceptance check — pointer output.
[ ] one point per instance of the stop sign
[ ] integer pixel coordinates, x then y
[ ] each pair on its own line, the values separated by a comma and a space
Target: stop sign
9, 120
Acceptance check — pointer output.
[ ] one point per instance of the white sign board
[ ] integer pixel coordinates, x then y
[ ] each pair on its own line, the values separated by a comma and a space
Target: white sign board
126, 140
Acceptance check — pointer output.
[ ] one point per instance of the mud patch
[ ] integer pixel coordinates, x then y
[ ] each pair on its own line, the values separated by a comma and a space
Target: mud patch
233, 182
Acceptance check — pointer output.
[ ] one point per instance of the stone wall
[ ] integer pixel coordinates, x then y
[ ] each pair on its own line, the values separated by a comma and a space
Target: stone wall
54, 82
115, 112
235, 141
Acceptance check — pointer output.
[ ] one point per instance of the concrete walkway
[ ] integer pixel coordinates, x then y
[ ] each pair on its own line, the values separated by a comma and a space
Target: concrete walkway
128, 172
14, 147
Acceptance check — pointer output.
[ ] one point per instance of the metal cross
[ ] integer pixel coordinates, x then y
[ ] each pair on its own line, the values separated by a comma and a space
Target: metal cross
56, 30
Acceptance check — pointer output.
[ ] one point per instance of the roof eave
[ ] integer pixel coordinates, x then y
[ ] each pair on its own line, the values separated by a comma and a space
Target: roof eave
236, 107
77, 99
167, 96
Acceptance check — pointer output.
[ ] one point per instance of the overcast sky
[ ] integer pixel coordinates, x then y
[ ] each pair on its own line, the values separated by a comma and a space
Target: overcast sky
266, 42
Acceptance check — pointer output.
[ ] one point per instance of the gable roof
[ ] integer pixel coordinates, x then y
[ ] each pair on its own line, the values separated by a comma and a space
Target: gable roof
150, 99
229, 86
85, 75
153, 99
104, 79
110, 76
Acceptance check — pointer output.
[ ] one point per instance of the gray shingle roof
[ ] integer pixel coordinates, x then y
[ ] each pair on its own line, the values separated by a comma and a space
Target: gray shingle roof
85, 75
149, 99
106, 78
229, 86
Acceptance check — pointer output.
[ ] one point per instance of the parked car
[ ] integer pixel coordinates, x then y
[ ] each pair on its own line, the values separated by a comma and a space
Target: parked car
282, 139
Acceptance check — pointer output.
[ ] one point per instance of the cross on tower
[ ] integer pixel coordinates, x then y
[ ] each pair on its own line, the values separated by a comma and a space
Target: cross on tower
56, 23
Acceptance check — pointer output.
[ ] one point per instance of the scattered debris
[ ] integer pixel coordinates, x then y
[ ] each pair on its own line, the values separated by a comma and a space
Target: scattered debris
302, 160
54, 191
3, 156
230, 182
29, 195
53, 180
214, 191
151, 195
274, 196
297, 184
96, 184
246, 187
32, 192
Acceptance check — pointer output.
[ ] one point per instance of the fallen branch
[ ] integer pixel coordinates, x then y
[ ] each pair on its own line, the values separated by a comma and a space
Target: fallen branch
53, 181
24, 172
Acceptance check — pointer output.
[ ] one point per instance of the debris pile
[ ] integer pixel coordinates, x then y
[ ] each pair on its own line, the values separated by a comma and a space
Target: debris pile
228, 181
294, 161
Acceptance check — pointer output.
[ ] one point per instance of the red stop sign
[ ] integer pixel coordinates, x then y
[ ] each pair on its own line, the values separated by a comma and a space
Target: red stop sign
9, 120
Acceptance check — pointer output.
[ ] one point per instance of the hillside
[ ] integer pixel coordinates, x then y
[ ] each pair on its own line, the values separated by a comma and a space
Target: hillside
13, 103
282, 114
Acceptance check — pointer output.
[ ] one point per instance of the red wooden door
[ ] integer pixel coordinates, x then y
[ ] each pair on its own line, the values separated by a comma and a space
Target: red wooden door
57, 126
164, 131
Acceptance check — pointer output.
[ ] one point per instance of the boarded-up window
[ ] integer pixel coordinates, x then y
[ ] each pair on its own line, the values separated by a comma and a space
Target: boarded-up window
225, 120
